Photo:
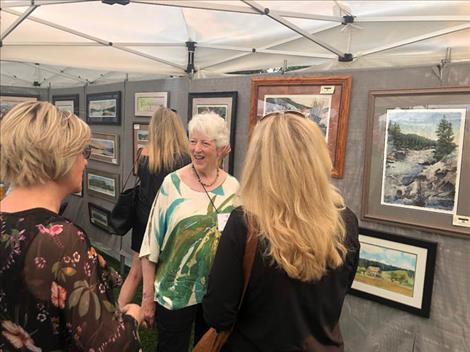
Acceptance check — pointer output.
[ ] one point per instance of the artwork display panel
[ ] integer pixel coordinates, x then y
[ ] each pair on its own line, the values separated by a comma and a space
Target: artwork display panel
68, 103
225, 105
416, 174
140, 139
146, 103
105, 148
7, 102
102, 184
103, 108
324, 100
99, 217
395, 270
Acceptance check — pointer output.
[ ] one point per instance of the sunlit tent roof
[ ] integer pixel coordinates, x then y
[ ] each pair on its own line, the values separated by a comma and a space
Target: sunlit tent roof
70, 42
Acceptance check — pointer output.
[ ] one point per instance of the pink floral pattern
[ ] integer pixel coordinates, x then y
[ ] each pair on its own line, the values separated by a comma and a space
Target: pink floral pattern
66, 291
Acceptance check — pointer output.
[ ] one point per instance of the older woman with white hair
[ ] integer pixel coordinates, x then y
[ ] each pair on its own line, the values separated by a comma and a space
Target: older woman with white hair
183, 233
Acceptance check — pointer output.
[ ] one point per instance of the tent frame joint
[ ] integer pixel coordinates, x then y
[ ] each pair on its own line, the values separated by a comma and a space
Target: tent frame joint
346, 57
347, 19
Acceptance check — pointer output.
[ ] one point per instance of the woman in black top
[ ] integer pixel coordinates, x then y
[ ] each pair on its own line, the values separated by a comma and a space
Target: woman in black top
166, 151
307, 246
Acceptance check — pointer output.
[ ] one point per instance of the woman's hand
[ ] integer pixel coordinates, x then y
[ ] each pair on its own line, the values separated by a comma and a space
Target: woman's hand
134, 311
148, 307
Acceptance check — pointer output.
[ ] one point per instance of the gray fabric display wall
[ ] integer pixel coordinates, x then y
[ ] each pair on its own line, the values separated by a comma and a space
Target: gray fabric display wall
367, 326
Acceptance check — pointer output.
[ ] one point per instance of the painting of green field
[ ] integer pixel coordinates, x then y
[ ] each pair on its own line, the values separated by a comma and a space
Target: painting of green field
386, 268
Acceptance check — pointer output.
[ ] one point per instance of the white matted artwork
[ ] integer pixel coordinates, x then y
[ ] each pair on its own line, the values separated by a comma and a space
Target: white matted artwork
140, 139
105, 148
219, 109
102, 184
422, 158
316, 107
146, 103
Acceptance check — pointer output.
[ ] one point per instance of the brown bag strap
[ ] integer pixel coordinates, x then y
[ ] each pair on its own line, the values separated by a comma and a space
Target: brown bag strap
248, 257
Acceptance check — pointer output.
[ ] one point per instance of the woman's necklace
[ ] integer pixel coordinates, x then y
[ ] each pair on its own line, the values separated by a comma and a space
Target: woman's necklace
200, 181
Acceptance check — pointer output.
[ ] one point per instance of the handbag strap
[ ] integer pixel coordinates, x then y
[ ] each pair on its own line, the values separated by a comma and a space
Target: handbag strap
133, 168
248, 257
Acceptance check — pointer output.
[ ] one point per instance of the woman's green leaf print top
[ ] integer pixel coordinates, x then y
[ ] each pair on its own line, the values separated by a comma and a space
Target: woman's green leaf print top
182, 238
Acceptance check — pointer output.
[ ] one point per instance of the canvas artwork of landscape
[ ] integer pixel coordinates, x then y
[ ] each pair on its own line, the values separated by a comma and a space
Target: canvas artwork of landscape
422, 158
314, 106
220, 109
386, 268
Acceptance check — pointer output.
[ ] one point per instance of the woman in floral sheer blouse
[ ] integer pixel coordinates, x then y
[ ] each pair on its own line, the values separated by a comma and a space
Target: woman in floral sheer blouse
55, 290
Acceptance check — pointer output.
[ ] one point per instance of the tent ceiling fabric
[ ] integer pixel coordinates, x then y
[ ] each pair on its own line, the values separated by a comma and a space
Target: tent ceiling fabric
77, 42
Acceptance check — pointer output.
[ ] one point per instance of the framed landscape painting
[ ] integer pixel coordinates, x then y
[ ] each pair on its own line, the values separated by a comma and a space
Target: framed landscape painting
324, 100
416, 174
140, 138
223, 104
68, 103
102, 184
146, 103
395, 270
9, 101
105, 148
103, 108
99, 217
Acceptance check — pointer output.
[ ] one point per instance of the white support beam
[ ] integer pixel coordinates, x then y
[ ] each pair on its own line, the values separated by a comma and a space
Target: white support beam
17, 22
98, 40
103, 75
23, 3
413, 40
181, 45
412, 19
273, 15
201, 5
57, 72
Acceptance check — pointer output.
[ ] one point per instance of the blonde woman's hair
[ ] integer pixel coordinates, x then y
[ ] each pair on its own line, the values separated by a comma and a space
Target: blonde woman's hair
212, 125
167, 140
286, 189
39, 143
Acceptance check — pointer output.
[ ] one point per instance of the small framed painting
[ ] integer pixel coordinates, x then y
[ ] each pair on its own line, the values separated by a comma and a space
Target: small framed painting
99, 217
140, 139
103, 108
146, 103
105, 148
102, 184
9, 101
395, 270
223, 104
68, 103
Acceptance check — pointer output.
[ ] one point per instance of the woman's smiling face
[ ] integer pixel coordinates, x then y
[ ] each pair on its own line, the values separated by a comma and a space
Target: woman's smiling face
203, 151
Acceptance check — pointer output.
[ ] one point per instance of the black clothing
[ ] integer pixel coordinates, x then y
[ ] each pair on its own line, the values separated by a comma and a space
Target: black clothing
149, 185
278, 313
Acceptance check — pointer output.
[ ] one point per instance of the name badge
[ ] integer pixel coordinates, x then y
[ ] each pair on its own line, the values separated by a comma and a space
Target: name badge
222, 220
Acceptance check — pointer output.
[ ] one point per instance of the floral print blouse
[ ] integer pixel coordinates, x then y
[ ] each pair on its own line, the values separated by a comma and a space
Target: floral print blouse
55, 290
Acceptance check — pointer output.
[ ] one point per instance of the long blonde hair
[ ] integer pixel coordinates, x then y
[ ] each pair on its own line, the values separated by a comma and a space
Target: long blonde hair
167, 140
286, 188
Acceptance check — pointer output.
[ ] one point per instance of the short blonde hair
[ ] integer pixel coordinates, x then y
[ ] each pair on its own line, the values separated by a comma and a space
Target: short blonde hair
212, 125
167, 140
286, 188
39, 143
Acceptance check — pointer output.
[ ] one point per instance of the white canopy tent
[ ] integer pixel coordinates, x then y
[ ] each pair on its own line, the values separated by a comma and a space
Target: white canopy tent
65, 43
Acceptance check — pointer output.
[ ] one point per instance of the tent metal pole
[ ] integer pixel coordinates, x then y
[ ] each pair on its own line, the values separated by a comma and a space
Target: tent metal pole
273, 15
98, 40
412, 19
94, 44
42, 2
414, 40
50, 70
17, 22
16, 78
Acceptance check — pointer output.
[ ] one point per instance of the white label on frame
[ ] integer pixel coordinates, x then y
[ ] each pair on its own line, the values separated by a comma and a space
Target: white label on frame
114, 161
327, 89
460, 220
136, 127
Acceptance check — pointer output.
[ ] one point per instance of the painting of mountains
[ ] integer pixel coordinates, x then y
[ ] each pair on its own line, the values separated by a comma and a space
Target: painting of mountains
314, 106
422, 158
386, 268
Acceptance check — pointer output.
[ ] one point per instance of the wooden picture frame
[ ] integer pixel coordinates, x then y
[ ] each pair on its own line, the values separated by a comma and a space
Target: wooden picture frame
67, 103
396, 271
325, 100
102, 184
103, 108
225, 105
100, 217
8, 101
140, 135
105, 148
146, 103
415, 172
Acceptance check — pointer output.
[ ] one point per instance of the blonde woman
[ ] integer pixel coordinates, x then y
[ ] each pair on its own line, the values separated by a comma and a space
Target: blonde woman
307, 249
166, 151
56, 291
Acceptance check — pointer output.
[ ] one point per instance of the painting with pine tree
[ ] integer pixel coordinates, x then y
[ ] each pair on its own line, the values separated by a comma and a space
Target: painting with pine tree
422, 158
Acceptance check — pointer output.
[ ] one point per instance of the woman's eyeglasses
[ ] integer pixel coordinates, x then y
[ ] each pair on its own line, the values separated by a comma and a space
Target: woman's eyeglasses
87, 152
291, 112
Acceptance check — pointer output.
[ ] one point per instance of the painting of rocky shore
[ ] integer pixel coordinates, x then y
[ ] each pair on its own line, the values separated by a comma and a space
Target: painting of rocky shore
422, 158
